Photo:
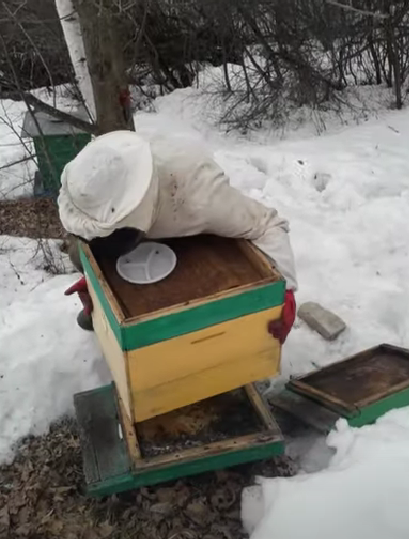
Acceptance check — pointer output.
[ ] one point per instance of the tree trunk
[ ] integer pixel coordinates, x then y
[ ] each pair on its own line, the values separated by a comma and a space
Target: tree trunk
104, 53
375, 59
397, 72
73, 38
393, 54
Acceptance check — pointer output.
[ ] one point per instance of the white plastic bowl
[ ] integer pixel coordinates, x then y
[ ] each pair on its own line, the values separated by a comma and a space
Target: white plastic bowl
149, 263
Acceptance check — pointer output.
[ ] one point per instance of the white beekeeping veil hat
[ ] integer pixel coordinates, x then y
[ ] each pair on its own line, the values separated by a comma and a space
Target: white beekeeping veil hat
109, 179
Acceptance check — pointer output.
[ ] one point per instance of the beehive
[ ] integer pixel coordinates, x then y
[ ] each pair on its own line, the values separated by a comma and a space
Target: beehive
200, 332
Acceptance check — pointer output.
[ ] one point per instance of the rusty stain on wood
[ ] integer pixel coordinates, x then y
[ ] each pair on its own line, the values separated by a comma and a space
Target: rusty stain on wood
203, 339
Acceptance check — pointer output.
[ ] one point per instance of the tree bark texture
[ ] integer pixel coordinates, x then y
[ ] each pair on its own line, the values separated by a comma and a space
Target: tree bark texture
104, 51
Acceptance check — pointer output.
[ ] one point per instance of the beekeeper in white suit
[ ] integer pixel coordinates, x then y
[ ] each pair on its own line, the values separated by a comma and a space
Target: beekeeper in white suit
121, 187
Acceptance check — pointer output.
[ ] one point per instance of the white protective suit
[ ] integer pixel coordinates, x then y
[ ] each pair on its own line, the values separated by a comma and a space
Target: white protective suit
189, 194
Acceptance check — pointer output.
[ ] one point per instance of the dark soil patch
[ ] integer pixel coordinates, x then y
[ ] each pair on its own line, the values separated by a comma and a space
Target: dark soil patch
30, 218
41, 497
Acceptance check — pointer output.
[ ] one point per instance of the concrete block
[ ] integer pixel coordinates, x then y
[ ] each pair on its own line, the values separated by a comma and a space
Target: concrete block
324, 322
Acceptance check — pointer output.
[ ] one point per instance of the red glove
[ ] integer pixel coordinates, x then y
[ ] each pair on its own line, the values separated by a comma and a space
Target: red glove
282, 327
81, 288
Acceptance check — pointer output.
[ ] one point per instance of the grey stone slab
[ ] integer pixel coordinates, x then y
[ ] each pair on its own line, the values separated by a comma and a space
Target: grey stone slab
321, 320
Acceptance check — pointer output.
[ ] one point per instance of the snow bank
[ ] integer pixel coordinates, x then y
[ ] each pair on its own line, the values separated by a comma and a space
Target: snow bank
363, 493
205, 105
15, 180
44, 357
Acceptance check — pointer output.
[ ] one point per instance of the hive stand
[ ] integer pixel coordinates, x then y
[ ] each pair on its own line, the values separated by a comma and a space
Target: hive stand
118, 456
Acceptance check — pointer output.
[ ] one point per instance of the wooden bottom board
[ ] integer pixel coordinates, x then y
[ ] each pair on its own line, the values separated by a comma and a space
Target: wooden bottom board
110, 465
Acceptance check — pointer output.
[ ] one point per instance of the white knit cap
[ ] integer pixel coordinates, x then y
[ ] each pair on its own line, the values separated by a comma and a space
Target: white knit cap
105, 182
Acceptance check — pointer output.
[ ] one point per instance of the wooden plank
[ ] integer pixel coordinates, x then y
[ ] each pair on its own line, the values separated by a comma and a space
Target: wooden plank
104, 450
114, 356
163, 474
258, 259
261, 407
128, 429
336, 404
182, 371
191, 319
167, 397
89, 459
182, 356
214, 449
305, 410
198, 386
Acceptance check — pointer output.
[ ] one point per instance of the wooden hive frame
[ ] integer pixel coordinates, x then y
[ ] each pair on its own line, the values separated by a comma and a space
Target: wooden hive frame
214, 330
386, 387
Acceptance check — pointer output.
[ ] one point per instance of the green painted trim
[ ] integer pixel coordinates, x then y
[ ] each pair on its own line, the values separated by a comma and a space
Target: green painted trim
202, 316
374, 411
113, 322
198, 317
361, 416
103, 459
216, 462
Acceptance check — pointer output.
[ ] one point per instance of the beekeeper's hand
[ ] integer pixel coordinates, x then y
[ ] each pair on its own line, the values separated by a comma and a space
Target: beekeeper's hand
81, 288
281, 328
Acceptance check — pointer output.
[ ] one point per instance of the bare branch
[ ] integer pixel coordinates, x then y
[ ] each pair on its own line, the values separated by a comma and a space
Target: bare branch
27, 35
375, 14
18, 162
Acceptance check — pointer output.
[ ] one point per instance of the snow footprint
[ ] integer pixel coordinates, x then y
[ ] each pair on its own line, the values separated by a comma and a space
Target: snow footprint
259, 164
320, 181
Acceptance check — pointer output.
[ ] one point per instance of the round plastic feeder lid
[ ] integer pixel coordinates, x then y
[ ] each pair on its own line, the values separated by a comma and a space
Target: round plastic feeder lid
149, 263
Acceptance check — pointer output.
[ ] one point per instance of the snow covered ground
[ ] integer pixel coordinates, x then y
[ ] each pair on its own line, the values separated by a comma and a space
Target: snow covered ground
363, 493
346, 194
44, 357
15, 179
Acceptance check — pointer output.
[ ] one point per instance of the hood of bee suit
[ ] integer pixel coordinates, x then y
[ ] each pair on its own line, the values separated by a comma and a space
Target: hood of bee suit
110, 184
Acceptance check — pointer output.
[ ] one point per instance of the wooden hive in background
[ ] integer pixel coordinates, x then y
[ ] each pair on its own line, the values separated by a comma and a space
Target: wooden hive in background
199, 333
